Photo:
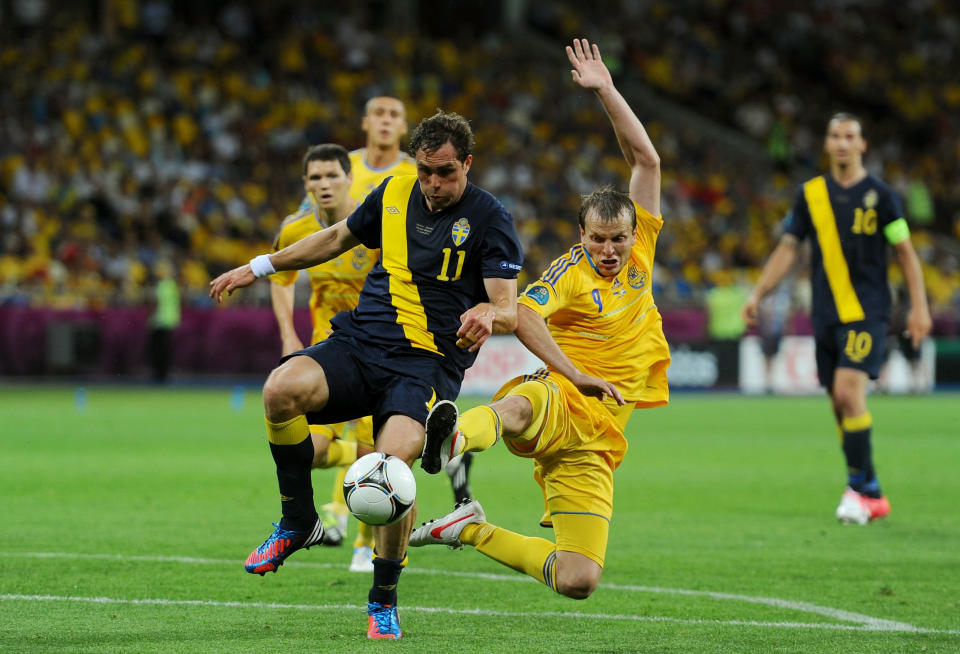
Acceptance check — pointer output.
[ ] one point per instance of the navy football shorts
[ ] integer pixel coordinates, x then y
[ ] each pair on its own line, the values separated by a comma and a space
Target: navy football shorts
859, 345
367, 380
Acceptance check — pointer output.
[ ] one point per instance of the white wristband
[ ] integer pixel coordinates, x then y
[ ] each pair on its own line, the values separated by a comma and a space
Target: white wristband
261, 266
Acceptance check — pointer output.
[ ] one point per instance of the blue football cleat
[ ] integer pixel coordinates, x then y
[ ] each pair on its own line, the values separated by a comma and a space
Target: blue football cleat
281, 544
384, 621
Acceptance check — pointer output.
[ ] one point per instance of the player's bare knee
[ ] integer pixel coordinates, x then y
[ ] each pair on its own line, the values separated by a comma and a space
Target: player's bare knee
576, 586
516, 414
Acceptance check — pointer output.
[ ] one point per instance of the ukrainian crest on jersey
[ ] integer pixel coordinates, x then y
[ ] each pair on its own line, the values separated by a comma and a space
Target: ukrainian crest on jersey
538, 294
870, 198
460, 231
636, 278
359, 258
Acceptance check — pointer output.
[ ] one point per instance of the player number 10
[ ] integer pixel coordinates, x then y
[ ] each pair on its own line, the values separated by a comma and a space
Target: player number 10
865, 222
461, 255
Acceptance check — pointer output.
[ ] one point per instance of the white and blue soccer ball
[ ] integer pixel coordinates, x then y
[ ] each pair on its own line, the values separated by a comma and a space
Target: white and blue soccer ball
379, 489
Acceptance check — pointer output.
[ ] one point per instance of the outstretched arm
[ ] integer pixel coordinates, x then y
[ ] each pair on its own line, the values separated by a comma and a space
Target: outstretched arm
533, 333
316, 248
777, 266
590, 72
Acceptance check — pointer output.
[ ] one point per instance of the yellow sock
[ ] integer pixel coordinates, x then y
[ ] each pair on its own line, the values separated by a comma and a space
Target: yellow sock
480, 428
290, 432
337, 496
340, 453
535, 557
364, 535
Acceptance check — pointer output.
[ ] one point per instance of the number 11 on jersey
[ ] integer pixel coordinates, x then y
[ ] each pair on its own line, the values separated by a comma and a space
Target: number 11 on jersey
461, 255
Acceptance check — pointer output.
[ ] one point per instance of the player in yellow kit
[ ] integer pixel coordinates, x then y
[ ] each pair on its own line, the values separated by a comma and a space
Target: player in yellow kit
592, 318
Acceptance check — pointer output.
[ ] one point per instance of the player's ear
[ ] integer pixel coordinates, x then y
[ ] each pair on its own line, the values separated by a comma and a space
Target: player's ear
365, 123
467, 162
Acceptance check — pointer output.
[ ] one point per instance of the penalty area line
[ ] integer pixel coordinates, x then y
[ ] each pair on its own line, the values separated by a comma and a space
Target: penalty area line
472, 612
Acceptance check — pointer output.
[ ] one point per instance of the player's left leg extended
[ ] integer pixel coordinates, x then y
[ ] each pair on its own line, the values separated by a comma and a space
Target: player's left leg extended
534, 420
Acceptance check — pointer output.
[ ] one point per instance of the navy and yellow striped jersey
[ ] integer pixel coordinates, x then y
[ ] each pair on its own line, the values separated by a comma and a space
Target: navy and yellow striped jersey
431, 269
849, 229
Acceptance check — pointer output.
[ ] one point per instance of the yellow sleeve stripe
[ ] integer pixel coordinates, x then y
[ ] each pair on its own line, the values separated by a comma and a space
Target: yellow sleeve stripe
404, 294
897, 232
834, 263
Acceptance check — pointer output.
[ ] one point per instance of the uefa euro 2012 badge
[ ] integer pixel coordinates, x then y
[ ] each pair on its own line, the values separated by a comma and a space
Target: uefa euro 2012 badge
460, 231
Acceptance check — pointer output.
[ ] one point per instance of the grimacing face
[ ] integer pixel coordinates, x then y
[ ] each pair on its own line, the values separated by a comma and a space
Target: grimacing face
844, 143
442, 176
607, 242
385, 121
327, 182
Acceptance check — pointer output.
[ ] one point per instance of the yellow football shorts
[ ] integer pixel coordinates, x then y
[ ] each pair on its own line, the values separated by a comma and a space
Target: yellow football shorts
576, 443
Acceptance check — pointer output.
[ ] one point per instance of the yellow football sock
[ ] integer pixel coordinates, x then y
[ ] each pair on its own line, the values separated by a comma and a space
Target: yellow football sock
480, 428
289, 432
336, 497
364, 535
535, 557
340, 453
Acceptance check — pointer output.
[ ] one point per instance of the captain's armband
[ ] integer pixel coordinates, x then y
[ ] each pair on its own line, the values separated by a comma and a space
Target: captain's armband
897, 231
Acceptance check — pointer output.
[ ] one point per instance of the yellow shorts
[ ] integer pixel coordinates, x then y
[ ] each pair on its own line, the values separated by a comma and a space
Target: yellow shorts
359, 430
576, 443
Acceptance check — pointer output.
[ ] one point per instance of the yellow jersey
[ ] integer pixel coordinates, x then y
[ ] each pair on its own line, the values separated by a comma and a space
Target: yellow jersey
365, 178
609, 326
336, 284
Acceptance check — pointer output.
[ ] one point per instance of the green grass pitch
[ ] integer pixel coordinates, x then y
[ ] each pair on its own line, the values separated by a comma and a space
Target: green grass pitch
126, 520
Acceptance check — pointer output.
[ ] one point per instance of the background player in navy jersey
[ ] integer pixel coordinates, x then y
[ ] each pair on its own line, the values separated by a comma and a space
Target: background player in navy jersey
850, 216
445, 282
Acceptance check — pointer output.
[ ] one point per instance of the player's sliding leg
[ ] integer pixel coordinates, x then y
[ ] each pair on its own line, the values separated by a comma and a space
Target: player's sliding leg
862, 500
295, 387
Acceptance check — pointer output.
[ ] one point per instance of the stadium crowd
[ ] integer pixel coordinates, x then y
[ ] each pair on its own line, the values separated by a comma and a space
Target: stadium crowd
142, 132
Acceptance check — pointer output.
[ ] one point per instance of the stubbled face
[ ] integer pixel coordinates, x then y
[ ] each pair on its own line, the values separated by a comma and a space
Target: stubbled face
844, 143
385, 122
608, 243
327, 183
442, 176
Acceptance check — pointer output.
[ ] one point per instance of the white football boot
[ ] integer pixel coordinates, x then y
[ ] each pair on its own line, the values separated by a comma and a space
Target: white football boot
446, 530
852, 509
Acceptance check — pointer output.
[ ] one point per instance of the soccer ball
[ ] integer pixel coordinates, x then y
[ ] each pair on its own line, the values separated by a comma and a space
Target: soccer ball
379, 489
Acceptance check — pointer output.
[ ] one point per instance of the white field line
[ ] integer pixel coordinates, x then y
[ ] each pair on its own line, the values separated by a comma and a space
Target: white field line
866, 622
477, 612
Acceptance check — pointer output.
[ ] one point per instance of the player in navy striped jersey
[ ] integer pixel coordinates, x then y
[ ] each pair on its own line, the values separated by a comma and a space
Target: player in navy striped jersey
850, 217
445, 282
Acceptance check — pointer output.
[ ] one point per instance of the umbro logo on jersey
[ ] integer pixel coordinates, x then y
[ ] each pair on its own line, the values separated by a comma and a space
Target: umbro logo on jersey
393, 210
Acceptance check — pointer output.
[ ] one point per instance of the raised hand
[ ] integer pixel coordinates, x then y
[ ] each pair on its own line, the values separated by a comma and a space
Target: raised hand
589, 70
230, 281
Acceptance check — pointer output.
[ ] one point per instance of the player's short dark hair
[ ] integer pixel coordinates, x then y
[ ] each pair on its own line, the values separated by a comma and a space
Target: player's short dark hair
327, 152
607, 203
431, 133
845, 115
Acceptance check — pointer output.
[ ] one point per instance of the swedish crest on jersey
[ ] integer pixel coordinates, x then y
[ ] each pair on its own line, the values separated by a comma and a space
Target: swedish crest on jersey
460, 231
870, 198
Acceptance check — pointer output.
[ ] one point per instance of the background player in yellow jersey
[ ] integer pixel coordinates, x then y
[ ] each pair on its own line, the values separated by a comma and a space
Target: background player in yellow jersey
605, 352
851, 218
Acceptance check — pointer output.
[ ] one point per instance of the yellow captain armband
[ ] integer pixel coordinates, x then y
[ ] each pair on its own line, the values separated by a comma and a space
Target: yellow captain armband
897, 231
